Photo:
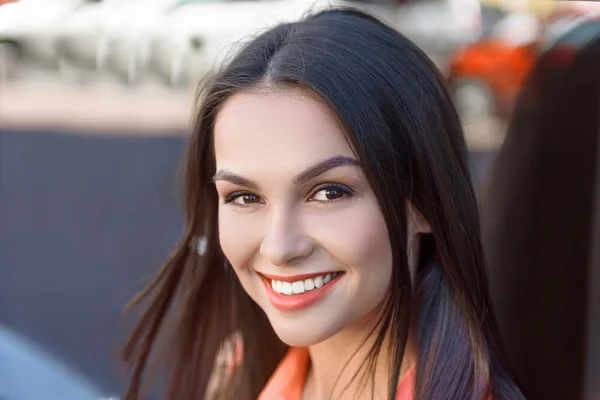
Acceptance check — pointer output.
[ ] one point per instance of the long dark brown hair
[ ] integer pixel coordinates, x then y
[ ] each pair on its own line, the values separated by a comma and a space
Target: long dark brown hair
539, 219
391, 102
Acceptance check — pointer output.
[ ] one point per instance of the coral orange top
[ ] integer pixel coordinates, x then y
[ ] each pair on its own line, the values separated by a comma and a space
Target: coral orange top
287, 382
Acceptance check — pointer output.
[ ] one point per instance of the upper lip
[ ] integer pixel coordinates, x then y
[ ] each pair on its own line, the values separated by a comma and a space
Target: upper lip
295, 278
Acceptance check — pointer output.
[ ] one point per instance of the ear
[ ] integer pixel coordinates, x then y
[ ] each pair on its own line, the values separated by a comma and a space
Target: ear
416, 225
416, 221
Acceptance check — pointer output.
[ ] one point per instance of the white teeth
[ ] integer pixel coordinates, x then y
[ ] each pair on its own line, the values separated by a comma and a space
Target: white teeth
302, 286
309, 284
298, 287
318, 282
287, 288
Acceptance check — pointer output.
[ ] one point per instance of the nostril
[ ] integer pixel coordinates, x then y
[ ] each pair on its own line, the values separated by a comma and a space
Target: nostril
282, 250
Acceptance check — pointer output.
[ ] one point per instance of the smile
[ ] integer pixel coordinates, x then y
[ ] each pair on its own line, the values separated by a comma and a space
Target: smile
301, 286
300, 291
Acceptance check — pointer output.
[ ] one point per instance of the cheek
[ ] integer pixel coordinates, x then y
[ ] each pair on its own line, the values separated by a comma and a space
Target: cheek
239, 237
359, 239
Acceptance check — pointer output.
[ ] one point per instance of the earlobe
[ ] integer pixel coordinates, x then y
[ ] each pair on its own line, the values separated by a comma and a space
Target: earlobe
417, 222
416, 225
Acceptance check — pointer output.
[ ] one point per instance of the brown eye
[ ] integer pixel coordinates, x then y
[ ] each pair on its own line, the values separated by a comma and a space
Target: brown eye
246, 199
330, 193
242, 199
333, 194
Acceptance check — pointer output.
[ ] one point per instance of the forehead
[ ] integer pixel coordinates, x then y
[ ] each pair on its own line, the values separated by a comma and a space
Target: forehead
286, 129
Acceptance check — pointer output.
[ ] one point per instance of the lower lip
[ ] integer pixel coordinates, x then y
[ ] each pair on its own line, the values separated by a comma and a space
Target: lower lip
296, 302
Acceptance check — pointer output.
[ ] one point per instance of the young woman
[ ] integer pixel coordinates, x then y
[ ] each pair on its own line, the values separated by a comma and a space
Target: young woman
327, 177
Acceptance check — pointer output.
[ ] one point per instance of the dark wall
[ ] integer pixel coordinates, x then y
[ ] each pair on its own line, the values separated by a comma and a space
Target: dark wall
83, 220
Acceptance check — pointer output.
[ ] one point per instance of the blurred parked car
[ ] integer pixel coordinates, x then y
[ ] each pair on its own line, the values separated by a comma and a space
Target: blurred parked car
197, 35
486, 76
81, 40
89, 36
192, 34
29, 28
129, 39
442, 27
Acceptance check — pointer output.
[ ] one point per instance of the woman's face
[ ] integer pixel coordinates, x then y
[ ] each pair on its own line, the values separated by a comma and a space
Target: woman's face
298, 221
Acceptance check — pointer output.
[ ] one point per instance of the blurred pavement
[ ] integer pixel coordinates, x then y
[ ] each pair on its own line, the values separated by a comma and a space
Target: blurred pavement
106, 106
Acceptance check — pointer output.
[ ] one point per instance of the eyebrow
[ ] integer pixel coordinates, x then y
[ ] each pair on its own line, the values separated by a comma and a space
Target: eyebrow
303, 177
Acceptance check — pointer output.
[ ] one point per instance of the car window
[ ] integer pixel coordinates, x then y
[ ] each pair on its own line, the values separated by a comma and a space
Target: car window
565, 29
582, 34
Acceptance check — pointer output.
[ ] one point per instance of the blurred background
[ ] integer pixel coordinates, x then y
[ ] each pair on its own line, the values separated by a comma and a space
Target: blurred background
95, 101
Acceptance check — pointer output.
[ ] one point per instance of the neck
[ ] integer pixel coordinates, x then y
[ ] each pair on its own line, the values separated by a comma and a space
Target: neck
335, 365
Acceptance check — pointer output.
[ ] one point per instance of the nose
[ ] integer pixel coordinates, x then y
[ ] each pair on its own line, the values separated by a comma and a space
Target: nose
284, 241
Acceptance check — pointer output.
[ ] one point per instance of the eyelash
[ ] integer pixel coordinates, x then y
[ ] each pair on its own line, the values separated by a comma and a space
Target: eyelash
345, 190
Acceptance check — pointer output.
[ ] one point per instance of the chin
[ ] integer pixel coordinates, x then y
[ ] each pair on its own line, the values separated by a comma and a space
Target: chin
300, 333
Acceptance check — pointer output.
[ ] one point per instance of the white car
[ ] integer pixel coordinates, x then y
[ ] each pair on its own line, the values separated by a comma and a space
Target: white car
88, 36
197, 36
129, 39
29, 28
82, 38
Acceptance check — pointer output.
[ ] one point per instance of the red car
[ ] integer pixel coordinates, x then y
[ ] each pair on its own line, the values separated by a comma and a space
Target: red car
485, 78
